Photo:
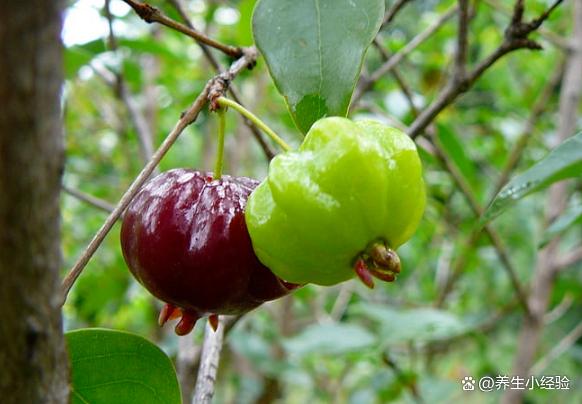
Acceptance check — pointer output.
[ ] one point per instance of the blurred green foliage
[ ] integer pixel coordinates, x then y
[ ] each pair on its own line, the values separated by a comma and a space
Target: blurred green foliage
345, 343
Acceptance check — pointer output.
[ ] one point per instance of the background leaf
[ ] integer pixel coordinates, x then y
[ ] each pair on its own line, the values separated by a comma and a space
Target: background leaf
419, 325
103, 158
565, 161
572, 216
314, 50
78, 56
111, 367
456, 151
330, 339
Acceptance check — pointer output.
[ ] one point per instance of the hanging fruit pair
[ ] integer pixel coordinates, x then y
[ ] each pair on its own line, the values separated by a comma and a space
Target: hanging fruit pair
339, 206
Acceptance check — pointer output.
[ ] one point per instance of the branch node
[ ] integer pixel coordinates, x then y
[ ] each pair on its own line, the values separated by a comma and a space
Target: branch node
218, 88
145, 11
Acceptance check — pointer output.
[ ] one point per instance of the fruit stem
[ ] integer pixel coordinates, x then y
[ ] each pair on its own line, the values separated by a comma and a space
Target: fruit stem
225, 102
220, 145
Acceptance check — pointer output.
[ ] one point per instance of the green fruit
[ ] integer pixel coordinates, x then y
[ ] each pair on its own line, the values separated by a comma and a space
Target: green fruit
351, 194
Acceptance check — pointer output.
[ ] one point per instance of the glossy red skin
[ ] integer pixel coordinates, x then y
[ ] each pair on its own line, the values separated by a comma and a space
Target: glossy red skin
184, 237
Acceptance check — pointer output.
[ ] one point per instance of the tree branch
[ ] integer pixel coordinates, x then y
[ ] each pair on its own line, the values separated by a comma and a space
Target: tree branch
516, 37
538, 108
188, 360
462, 41
396, 58
213, 89
550, 36
151, 14
411, 385
392, 11
529, 128
397, 77
204, 390
561, 347
267, 150
545, 272
89, 199
489, 230
569, 259
142, 128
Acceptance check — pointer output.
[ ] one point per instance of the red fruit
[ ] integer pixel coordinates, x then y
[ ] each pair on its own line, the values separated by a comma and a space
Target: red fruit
184, 238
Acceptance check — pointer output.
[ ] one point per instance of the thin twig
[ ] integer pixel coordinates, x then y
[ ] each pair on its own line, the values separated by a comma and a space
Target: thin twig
397, 77
569, 259
210, 358
566, 343
529, 128
550, 36
89, 199
462, 41
401, 54
489, 230
342, 301
142, 128
545, 272
213, 89
392, 11
411, 385
561, 309
516, 37
267, 149
152, 14
539, 106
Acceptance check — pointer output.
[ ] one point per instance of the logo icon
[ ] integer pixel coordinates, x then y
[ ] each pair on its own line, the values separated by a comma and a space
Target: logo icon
468, 383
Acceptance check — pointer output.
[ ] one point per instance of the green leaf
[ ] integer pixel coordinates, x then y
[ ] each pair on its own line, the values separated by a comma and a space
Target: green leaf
565, 161
454, 149
572, 216
418, 325
116, 367
149, 46
244, 34
333, 339
314, 50
78, 56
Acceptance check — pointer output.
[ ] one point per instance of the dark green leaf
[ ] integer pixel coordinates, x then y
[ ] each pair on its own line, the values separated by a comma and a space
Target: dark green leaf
314, 50
333, 339
244, 32
565, 161
114, 367
455, 150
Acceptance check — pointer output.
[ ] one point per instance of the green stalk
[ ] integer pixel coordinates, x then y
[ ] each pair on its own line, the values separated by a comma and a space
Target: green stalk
220, 145
225, 102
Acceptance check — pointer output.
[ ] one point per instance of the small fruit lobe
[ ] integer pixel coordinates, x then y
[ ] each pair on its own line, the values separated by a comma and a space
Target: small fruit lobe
186, 323
363, 273
213, 321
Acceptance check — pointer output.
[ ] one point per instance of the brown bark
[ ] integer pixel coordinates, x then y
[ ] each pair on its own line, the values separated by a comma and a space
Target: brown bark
33, 360
546, 269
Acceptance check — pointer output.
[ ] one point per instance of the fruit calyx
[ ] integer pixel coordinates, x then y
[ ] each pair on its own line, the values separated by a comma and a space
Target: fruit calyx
187, 321
377, 261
